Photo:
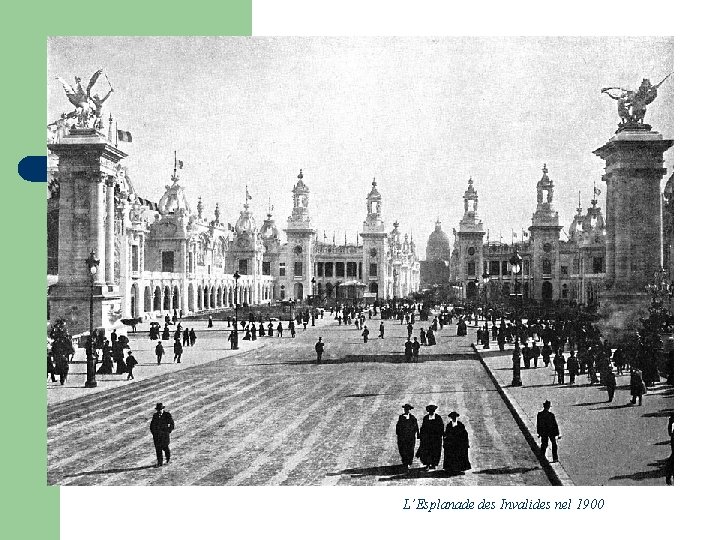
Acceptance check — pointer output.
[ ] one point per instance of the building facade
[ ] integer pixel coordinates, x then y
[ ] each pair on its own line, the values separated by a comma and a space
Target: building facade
550, 268
166, 257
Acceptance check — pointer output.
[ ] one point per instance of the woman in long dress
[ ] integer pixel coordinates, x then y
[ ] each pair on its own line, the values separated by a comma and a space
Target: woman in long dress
106, 368
456, 445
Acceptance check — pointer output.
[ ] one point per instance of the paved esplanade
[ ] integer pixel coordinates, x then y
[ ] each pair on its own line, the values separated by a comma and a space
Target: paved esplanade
272, 416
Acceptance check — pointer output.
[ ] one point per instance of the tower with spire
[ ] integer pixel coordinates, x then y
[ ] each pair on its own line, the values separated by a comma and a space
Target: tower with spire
375, 246
301, 239
468, 266
545, 242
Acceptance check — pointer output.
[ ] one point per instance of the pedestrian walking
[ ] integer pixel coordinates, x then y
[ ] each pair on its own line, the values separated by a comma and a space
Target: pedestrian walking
548, 430
431, 438
161, 425
365, 334
279, 329
291, 326
546, 353
253, 332
131, 363
210, 321
407, 432
319, 349
186, 337
535, 351
456, 444
610, 384
559, 364
430, 335
382, 330
573, 366
159, 351
479, 336
408, 351
409, 329
192, 337
178, 350
526, 355
166, 332
51, 367
637, 387
415, 349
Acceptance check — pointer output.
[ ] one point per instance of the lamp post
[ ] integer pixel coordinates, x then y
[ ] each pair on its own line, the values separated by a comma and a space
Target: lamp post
486, 281
312, 312
92, 263
236, 275
515, 267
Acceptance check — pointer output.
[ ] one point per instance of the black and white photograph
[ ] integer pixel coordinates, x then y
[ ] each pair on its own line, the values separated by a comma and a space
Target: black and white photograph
360, 261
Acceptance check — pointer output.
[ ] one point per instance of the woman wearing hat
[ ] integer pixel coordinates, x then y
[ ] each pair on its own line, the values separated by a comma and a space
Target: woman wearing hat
456, 446
407, 431
431, 437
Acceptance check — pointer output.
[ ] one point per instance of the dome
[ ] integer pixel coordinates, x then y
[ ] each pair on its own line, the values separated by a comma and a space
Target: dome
246, 222
269, 231
174, 198
438, 246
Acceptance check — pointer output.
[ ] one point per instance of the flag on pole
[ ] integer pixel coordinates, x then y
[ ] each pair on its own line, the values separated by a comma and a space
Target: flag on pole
124, 136
514, 234
180, 164
247, 194
596, 190
526, 234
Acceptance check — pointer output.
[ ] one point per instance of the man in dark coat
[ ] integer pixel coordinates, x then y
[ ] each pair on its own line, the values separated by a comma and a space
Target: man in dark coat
456, 446
382, 330
319, 349
161, 426
431, 438
407, 431
547, 428
415, 350
408, 351
573, 366
178, 350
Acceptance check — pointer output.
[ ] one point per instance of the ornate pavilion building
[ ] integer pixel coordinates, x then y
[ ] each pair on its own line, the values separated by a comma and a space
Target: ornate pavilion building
550, 268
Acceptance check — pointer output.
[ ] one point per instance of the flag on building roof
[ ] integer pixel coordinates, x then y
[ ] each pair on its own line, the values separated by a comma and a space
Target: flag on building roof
180, 164
124, 136
596, 190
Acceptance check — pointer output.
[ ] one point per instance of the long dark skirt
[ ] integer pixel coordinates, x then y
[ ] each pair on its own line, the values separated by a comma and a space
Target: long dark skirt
456, 449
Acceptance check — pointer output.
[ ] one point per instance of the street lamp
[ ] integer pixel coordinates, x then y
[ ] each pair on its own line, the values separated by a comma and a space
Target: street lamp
236, 275
92, 263
486, 281
515, 267
312, 311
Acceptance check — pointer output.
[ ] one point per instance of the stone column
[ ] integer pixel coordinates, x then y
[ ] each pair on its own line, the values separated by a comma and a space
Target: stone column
98, 226
110, 230
633, 171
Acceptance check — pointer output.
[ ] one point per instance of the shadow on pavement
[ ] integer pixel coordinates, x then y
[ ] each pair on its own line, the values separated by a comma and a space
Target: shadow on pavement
664, 413
420, 473
508, 470
657, 472
365, 395
108, 471
610, 407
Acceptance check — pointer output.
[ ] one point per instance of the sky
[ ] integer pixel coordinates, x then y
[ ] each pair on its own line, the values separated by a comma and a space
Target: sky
420, 115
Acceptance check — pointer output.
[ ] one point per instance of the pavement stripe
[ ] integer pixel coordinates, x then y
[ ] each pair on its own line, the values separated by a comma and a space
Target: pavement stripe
119, 407
281, 437
123, 412
290, 463
220, 457
186, 442
80, 457
354, 438
80, 407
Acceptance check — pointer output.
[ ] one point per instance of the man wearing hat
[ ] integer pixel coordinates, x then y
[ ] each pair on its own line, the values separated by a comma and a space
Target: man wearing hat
161, 426
319, 349
407, 431
431, 438
547, 428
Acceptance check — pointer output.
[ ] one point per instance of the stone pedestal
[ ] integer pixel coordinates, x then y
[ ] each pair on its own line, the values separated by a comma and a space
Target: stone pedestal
633, 171
87, 169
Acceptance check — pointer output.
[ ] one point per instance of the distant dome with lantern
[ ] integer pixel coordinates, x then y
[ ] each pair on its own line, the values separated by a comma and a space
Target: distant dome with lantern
246, 222
438, 245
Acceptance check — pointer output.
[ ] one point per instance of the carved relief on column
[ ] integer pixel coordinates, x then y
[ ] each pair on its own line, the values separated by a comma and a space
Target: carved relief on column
110, 236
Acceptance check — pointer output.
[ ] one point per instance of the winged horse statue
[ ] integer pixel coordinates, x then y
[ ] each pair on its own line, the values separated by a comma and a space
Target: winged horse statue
85, 105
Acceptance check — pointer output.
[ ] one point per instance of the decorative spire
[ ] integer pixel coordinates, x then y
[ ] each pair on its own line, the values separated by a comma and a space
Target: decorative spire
200, 207
300, 176
579, 206
374, 183
217, 212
